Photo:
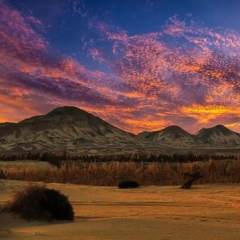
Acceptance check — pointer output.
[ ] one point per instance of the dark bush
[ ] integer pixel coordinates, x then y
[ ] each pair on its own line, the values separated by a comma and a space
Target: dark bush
36, 202
128, 184
2, 175
189, 179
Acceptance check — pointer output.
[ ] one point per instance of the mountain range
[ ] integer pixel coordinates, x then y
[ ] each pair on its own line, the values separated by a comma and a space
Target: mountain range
74, 130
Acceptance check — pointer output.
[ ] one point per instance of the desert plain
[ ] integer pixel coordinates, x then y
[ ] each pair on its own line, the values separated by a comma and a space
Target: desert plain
209, 211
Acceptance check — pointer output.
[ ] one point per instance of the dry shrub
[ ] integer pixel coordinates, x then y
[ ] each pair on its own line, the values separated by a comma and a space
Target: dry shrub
128, 184
2, 175
35, 202
189, 179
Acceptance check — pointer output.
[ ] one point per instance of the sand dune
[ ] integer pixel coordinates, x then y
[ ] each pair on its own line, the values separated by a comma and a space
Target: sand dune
204, 212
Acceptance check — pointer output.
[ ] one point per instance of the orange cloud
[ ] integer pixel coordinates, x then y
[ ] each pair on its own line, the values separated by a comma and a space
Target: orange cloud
234, 126
206, 114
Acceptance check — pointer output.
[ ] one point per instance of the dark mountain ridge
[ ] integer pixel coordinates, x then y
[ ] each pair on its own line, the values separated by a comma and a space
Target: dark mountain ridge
171, 134
63, 127
219, 134
70, 128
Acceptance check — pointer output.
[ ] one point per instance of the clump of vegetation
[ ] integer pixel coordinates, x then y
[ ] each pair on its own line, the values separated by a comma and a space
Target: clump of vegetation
128, 184
35, 202
56, 157
145, 173
189, 179
2, 176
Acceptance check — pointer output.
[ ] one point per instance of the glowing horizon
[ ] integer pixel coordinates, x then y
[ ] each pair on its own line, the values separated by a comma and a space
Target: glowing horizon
176, 67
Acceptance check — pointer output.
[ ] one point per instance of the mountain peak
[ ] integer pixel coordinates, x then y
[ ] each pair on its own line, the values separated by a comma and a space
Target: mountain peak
64, 128
173, 128
66, 110
218, 134
171, 134
60, 113
219, 126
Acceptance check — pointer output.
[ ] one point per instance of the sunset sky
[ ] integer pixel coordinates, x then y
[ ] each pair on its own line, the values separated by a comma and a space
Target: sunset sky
138, 64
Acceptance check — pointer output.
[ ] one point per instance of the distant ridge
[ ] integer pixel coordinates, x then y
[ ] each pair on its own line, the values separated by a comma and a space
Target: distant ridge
219, 135
72, 129
171, 134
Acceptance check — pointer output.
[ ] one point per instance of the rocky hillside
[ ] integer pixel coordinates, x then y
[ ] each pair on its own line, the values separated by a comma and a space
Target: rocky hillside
219, 135
72, 129
171, 134
62, 128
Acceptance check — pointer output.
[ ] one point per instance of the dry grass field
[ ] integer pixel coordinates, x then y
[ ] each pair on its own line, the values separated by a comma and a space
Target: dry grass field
153, 212
159, 209
111, 173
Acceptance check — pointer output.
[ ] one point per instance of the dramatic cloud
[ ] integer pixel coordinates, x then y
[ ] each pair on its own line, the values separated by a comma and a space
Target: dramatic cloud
29, 69
184, 70
185, 74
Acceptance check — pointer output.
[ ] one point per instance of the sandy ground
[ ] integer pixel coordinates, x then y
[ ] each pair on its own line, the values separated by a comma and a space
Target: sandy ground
163, 213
